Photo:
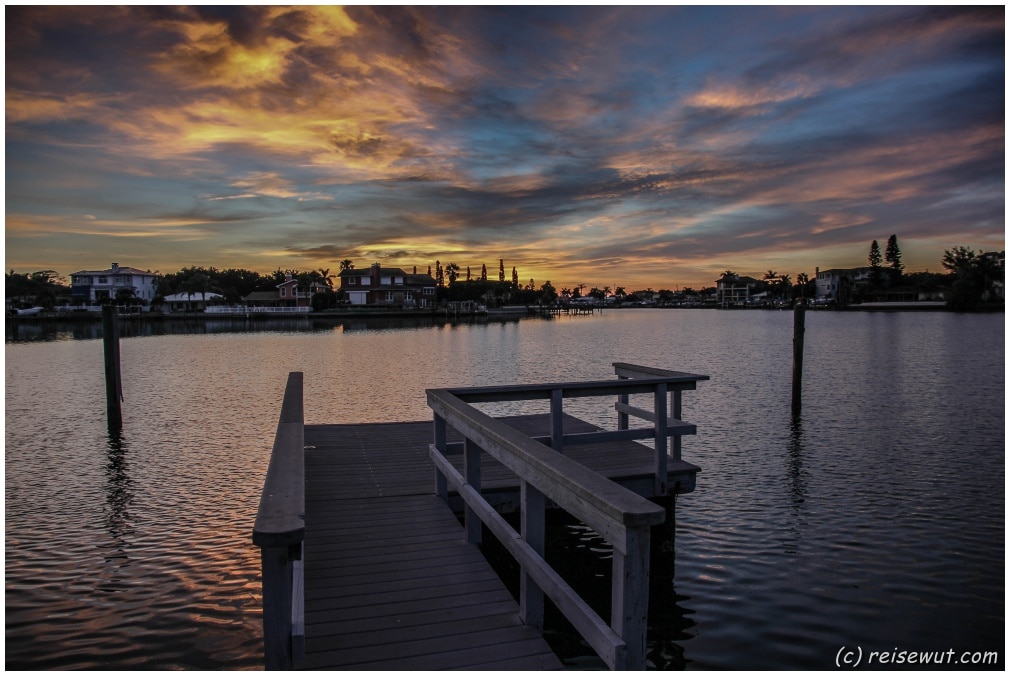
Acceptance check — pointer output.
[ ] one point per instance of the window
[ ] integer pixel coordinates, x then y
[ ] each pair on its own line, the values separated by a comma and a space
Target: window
429, 291
398, 280
103, 280
389, 296
384, 280
284, 291
365, 281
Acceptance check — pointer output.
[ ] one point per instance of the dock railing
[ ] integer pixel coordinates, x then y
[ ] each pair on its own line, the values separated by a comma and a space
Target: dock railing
279, 532
620, 516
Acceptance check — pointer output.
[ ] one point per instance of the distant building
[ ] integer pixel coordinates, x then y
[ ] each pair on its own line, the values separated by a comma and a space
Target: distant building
287, 294
185, 302
388, 286
838, 283
91, 286
734, 290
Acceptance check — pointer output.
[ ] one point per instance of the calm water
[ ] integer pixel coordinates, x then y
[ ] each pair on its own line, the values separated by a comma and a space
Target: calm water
876, 520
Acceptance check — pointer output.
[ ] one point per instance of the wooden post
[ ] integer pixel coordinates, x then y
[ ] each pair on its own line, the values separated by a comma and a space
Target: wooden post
799, 327
113, 378
629, 604
531, 596
277, 603
471, 472
661, 439
441, 487
557, 421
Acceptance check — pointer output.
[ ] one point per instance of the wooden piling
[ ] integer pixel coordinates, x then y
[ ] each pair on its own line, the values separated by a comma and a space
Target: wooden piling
799, 328
113, 378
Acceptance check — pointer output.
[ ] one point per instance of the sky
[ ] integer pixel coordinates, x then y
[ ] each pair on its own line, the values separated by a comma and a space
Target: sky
641, 147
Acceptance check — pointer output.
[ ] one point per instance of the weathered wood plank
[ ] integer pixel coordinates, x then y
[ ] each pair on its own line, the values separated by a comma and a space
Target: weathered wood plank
386, 562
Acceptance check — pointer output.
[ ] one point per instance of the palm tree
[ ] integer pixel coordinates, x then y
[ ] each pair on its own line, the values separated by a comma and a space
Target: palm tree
783, 284
452, 272
324, 274
346, 264
802, 280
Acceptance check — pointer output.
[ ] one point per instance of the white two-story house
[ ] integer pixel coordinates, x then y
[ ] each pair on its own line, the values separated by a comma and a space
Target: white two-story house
91, 286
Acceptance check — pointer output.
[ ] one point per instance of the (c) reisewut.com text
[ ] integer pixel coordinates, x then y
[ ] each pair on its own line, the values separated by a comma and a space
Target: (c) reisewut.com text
854, 656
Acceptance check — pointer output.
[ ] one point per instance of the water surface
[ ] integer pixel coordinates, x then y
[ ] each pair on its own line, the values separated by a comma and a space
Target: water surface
875, 519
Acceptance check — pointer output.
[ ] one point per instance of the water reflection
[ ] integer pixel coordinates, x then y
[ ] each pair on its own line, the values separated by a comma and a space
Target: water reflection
794, 463
139, 327
118, 498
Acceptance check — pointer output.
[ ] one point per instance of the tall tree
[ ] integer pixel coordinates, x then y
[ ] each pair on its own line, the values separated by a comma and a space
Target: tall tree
483, 272
874, 257
892, 255
452, 272
876, 274
439, 275
501, 269
515, 277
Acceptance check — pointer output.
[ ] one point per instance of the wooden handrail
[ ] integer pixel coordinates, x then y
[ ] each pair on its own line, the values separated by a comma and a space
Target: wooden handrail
621, 517
279, 532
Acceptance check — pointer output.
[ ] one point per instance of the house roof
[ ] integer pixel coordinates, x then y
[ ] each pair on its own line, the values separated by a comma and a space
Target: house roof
199, 296
123, 270
261, 295
393, 272
739, 279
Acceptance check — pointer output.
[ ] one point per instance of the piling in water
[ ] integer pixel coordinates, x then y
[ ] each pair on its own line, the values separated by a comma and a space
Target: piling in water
113, 379
799, 327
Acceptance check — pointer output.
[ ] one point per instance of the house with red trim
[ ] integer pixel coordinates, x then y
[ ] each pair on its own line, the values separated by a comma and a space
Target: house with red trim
388, 287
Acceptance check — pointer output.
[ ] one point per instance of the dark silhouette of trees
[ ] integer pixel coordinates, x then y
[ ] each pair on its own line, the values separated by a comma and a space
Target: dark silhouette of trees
892, 256
452, 272
35, 288
976, 276
876, 272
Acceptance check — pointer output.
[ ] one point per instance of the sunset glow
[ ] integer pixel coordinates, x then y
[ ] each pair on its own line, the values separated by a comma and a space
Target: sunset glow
641, 147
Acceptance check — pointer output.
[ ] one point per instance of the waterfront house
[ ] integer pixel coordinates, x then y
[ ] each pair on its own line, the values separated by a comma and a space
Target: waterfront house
192, 302
287, 294
390, 287
734, 290
838, 283
90, 287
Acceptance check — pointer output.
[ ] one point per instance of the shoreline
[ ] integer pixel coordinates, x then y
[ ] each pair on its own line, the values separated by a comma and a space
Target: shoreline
89, 317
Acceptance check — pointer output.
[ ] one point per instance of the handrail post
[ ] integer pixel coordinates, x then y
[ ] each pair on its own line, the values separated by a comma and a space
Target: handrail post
531, 596
471, 471
675, 413
622, 417
557, 421
441, 487
278, 599
661, 439
630, 596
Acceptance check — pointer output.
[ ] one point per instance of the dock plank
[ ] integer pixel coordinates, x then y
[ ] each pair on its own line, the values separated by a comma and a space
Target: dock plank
390, 583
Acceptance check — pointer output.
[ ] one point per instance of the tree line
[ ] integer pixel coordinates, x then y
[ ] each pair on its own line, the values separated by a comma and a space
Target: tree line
972, 279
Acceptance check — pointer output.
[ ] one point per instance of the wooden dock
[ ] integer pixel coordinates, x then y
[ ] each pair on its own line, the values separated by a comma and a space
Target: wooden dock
390, 581
367, 566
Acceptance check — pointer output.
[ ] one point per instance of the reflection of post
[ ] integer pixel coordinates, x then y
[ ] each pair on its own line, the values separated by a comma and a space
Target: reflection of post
799, 322
113, 380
